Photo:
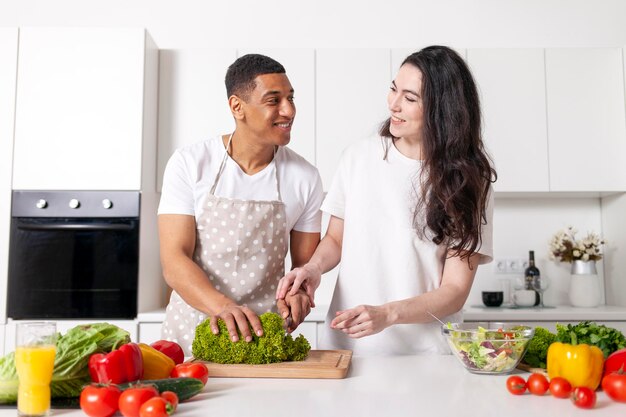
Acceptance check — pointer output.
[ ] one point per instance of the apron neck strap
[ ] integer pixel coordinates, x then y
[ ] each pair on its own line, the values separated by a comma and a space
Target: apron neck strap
223, 164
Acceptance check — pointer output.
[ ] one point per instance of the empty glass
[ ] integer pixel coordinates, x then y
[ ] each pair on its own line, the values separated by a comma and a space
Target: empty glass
540, 283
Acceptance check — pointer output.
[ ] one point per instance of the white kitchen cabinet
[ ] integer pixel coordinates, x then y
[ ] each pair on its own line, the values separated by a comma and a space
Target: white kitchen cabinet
586, 119
2, 326
193, 105
86, 109
8, 77
511, 84
64, 325
351, 101
300, 66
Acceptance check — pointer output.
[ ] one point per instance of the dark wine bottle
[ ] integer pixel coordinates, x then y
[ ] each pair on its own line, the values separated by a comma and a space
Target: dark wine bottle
530, 273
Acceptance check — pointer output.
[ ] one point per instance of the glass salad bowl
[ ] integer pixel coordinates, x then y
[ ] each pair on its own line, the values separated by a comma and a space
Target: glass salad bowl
494, 349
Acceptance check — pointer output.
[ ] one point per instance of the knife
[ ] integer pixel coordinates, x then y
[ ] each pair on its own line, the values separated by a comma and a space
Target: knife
287, 323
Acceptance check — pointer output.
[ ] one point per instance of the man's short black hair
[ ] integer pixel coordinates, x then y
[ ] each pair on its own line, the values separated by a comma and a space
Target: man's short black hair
241, 73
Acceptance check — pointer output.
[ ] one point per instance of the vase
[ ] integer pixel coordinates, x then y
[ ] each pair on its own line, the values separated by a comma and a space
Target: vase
584, 288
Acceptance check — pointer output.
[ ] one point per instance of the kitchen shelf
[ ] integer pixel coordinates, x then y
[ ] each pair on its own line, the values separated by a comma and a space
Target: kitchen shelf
557, 314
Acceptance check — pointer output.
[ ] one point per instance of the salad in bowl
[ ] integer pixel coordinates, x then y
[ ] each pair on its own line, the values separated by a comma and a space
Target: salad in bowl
495, 349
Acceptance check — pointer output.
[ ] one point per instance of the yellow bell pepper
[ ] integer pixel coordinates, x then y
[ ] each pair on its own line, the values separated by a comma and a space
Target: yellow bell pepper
156, 365
581, 364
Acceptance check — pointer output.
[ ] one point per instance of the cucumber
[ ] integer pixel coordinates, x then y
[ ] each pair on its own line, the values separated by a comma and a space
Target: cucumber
184, 387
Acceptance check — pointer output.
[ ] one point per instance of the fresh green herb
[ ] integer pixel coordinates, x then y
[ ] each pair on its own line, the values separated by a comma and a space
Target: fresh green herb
606, 338
537, 352
273, 346
70, 362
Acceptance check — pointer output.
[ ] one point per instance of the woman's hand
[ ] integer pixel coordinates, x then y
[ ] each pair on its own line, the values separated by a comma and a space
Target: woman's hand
306, 278
361, 321
237, 317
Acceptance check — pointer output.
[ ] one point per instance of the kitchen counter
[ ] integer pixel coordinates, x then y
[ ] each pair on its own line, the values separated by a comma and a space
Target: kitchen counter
377, 386
558, 313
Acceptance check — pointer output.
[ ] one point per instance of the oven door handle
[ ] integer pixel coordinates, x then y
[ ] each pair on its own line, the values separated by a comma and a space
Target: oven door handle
78, 226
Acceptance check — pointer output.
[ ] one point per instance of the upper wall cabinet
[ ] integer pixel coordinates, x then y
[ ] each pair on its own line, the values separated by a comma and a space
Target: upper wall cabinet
86, 109
511, 83
351, 101
586, 119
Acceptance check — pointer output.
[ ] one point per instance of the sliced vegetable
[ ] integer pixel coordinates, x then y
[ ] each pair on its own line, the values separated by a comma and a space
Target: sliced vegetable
97, 400
156, 365
171, 349
185, 388
580, 365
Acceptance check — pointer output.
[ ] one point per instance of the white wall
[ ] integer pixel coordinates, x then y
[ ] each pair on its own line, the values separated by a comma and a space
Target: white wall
344, 23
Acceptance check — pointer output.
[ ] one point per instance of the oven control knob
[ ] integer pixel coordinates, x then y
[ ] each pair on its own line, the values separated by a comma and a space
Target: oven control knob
41, 204
74, 203
107, 204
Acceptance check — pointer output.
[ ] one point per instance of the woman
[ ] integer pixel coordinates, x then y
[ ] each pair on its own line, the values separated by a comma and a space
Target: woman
411, 219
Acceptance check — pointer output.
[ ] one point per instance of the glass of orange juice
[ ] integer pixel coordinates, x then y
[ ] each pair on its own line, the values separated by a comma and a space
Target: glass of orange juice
34, 360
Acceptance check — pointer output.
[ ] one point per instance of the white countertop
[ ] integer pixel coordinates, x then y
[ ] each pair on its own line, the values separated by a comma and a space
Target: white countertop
558, 313
377, 386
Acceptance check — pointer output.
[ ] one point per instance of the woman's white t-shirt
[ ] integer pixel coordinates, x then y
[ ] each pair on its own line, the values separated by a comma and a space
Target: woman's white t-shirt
191, 172
382, 257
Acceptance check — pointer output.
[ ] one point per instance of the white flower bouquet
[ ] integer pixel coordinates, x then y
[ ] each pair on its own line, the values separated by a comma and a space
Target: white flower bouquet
565, 248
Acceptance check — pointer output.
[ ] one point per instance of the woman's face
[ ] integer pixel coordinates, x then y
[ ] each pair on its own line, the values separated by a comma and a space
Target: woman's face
405, 103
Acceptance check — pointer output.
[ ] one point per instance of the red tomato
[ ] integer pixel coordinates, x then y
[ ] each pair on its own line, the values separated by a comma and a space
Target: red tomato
171, 398
171, 349
615, 386
132, 399
615, 362
99, 400
191, 370
516, 385
560, 387
584, 397
156, 407
537, 384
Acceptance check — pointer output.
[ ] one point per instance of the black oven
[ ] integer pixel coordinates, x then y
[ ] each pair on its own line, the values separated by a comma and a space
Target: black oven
73, 254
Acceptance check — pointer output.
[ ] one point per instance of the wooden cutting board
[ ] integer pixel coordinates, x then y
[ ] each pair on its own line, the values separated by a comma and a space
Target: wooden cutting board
326, 364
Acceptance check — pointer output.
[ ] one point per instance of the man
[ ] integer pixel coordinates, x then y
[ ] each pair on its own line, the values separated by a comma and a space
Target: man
230, 208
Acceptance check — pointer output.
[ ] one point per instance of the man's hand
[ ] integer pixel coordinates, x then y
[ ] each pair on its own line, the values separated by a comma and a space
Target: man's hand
298, 305
305, 278
238, 317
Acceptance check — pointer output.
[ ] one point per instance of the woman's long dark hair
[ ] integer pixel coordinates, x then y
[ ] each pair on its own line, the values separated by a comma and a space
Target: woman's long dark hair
456, 172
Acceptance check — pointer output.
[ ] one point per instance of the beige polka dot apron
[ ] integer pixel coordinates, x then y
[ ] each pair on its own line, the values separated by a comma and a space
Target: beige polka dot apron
241, 246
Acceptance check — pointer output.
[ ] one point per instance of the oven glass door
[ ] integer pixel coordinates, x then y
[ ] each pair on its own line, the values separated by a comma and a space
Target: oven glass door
73, 268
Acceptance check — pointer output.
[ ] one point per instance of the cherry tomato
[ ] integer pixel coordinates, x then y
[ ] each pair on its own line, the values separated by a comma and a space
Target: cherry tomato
98, 400
131, 399
171, 349
537, 384
156, 407
584, 397
614, 385
191, 370
560, 387
171, 398
516, 385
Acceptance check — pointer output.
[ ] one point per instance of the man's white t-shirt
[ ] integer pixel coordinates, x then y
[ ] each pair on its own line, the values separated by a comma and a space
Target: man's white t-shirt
191, 172
382, 257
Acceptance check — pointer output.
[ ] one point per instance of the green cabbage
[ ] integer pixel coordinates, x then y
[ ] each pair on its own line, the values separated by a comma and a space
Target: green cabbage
71, 370
273, 346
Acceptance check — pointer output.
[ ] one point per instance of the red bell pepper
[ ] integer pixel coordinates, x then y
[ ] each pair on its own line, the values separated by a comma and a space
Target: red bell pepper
170, 349
122, 365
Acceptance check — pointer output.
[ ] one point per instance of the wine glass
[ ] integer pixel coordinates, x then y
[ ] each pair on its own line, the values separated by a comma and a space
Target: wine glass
540, 283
